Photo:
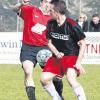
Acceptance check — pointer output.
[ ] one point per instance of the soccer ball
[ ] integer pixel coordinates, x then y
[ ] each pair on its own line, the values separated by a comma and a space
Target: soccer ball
43, 56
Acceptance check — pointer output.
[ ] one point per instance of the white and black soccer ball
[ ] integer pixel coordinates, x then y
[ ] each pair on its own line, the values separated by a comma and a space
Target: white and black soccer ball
43, 56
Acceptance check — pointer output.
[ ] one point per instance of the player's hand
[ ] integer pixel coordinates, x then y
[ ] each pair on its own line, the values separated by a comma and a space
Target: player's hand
80, 68
59, 55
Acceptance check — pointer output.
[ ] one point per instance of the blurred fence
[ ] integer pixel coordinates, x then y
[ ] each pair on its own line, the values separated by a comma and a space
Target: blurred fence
10, 44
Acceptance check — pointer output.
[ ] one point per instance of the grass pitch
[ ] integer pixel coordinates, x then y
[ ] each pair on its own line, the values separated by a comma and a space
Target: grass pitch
12, 88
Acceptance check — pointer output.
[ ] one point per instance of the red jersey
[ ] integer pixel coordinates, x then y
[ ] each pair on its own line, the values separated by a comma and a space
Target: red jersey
35, 22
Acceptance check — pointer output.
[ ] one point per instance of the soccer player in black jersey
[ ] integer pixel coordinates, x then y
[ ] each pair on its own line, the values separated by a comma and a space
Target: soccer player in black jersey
67, 42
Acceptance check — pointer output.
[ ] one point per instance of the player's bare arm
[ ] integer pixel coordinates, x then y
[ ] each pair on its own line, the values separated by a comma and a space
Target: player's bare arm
17, 6
54, 50
82, 45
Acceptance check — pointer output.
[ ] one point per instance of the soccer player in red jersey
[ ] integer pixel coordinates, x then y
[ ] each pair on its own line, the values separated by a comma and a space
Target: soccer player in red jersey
34, 39
67, 42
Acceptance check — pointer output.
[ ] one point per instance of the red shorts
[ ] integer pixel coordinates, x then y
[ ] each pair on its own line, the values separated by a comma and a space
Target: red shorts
60, 66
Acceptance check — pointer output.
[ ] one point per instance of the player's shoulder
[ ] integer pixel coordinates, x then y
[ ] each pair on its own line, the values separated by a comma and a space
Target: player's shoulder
52, 21
36, 8
29, 7
71, 21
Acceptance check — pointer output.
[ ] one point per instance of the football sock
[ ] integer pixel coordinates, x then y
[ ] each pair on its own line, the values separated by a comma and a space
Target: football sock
52, 91
80, 93
31, 92
58, 86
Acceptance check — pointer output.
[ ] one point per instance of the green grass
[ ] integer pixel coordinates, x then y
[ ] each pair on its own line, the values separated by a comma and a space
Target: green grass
12, 88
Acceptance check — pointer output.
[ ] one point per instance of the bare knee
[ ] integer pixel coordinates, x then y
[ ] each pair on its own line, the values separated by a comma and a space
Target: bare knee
73, 82
46, 78
28, 69
72, 78
27, 72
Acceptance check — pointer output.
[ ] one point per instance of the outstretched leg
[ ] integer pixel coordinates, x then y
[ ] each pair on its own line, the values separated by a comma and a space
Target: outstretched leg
46, 80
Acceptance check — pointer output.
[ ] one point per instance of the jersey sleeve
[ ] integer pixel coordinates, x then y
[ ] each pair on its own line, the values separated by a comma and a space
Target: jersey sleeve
25, 11
78, 34
76, 30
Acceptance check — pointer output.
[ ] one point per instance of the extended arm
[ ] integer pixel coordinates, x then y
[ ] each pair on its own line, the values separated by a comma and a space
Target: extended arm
54, 50
17, 6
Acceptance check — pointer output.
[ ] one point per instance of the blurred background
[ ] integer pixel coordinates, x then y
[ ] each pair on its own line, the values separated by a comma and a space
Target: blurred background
9, 22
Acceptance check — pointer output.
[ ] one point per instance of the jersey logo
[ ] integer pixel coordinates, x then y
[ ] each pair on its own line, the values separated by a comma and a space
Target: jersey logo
59, 36
38, 28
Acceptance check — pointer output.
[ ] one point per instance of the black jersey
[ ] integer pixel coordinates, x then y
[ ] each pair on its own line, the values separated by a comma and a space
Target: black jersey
65, 37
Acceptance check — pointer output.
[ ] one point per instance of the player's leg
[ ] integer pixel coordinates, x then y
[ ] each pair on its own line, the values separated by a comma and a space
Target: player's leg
51, 69
56, 81
46, 80
28, 79
28, 63
58, 86
78, 89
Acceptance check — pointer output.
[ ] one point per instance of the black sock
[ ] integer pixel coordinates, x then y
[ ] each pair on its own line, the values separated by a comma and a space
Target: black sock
58, 86
31, 92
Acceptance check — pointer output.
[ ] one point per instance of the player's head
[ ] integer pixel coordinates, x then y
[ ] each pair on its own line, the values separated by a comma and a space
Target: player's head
95, 18
26, 1
57, 7
45, 5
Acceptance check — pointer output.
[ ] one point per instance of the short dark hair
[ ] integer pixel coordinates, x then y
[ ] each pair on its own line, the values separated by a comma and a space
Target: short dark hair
95, 15
59, 6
